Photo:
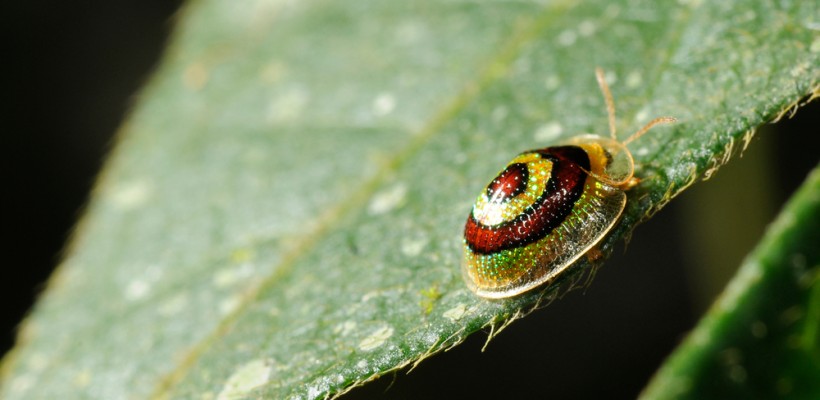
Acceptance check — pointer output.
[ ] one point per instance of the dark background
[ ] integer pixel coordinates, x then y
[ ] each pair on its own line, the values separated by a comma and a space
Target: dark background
71, 75
72, 71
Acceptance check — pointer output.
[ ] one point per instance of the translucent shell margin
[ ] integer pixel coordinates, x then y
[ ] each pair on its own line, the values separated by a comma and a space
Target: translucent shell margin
542, 212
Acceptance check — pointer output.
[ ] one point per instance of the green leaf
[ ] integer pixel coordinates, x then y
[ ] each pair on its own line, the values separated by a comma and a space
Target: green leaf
282, 214
762, 338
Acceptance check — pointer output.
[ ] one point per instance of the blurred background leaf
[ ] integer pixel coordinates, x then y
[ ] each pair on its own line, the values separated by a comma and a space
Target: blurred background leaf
762, 338
289, 193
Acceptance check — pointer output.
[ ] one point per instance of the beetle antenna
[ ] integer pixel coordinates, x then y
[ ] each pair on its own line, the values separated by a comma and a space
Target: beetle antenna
610, 104
650, 125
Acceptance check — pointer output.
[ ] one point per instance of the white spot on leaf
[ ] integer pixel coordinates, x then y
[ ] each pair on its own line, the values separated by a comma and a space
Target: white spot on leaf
132, 194
37, 362
232, 275
567, 38
413, 247
246, 378
610, 77
548, 132
634, 80
410, 32
642, 115
371, 294
137, 290
345, 328
82, 379
815, 45
456, 313
376, 339
288, 106
229, 304
587, 28
499, 113
384, 104
22, 383
314, 392
388, 199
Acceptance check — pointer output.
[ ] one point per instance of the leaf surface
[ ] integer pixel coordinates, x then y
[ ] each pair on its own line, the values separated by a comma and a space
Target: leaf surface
282, 215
